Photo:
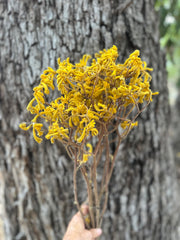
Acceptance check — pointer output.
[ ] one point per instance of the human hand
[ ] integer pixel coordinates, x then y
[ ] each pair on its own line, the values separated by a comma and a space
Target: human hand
76, 228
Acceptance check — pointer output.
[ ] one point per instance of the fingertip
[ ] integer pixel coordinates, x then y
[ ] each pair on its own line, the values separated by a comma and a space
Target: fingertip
96, 232
99, 231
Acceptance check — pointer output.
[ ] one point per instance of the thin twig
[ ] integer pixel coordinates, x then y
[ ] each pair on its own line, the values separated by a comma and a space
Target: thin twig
90, 196
97, 209
75, 193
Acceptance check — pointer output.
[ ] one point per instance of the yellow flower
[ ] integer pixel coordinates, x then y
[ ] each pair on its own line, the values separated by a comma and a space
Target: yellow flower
89, 128
86, 155
56, 132
36, 130
128, 124
23, 126
90, 147
89, 97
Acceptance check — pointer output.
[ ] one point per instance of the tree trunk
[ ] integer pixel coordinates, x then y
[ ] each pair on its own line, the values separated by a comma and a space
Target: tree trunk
36, 190
175, 132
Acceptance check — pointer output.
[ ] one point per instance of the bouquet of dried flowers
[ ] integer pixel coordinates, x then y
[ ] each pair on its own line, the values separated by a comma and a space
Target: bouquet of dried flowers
94, 101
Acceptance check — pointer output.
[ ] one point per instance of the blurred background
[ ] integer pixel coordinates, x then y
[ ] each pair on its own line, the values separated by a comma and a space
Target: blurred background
169, 11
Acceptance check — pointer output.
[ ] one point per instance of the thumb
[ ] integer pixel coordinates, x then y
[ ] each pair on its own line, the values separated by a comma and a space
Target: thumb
96, 232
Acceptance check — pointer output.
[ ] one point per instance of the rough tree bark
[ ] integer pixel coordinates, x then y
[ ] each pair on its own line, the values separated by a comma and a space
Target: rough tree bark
175, 132
36, 194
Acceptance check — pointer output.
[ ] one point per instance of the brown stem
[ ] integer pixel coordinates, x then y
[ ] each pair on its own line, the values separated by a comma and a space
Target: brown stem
90, 195
105, 179
94, 179
105, 186
106, 168
113, 160
76, 194
104, 206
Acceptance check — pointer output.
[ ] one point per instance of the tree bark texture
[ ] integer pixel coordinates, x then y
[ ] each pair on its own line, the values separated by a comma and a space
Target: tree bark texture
175, 132
36, 190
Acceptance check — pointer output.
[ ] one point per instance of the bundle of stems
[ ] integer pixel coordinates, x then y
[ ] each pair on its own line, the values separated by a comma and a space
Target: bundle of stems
101, 162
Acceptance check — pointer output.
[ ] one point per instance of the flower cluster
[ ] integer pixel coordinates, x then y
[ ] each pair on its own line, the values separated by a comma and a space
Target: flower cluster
89, 96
